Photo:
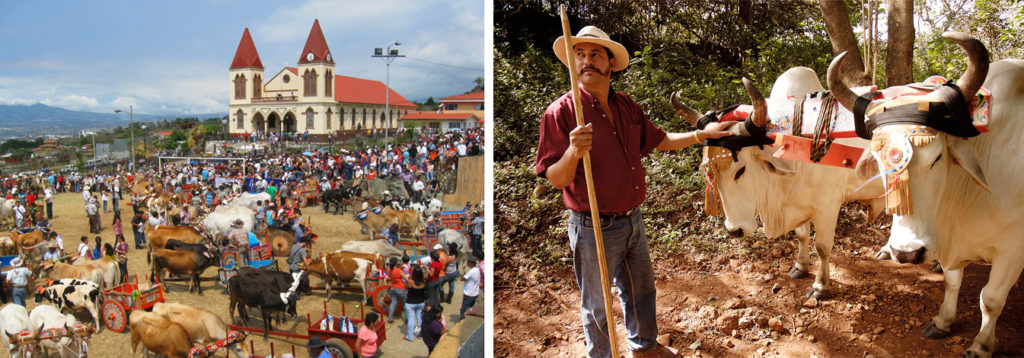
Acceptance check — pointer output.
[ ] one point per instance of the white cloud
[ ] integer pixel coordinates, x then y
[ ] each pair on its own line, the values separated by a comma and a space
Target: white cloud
73, 102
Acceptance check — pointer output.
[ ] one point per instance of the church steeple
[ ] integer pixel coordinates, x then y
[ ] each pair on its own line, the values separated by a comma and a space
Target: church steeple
316, 47
246, 55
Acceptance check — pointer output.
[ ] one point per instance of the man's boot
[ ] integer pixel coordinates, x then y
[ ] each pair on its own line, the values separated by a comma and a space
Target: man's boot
448, 299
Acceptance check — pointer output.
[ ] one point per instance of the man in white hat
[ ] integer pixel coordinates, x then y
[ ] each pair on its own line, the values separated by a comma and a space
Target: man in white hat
625, 135
18, 277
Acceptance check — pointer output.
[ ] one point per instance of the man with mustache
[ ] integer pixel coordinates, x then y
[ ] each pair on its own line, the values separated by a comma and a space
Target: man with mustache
624, 135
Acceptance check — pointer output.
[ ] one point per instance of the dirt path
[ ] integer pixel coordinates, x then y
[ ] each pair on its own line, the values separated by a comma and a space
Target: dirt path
71, 223
726, 305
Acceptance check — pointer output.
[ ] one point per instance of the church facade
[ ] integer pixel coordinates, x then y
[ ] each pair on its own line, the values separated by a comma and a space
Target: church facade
310, 97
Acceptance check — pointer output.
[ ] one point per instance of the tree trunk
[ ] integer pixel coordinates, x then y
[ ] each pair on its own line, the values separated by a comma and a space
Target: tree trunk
900, 51
840, 34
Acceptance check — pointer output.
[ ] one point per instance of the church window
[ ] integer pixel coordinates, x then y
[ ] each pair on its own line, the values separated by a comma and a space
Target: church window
353, 118
309, 83
329, 119
239, 119
257, 86
239, 86
309, 119
328, 83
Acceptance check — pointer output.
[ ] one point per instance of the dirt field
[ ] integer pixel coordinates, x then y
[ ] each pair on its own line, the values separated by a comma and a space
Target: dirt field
740, 302
70, 221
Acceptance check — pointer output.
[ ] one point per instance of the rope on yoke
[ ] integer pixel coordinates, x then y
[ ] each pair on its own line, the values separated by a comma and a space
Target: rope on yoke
823, 128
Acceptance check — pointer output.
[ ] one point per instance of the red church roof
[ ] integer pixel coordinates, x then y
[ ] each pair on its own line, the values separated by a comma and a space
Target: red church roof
317, 45
246, 55
468, 97
358, 90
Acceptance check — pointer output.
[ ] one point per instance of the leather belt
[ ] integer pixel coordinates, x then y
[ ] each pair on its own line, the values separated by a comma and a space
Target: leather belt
609, 216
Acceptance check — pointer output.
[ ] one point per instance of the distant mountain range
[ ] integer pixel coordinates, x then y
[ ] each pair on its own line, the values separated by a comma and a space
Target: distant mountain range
40, 119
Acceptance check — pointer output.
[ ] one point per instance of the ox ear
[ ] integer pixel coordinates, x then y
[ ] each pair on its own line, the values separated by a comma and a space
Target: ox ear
867, 166
774, 165
963, 156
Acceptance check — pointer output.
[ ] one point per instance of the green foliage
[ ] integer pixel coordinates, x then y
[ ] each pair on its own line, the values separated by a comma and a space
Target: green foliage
15, 144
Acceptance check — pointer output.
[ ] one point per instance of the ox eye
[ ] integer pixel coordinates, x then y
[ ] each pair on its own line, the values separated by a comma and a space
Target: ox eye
739, 173
936, 161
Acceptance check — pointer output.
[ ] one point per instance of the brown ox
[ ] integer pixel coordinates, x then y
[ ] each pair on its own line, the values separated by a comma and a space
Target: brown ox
408, 220
109, 272
146, 187
191, 263
281, 241
158, 236
159, 335
344, 266
27, 242
372, 223
202, 325
59, 270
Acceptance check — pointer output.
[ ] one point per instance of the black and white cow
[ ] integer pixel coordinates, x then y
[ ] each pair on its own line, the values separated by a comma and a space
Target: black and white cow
72, 294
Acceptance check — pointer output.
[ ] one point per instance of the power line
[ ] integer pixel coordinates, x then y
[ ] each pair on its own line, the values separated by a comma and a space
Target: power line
446, 65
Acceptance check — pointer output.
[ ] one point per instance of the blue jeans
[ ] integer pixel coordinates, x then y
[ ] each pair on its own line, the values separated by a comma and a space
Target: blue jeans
140, 238
450, 280
467, 303
18, 294
413, 313
629, 263
396, 294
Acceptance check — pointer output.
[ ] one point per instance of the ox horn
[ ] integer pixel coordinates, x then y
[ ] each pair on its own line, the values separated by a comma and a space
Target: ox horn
760, 115
837, 85
977, 65
689, 114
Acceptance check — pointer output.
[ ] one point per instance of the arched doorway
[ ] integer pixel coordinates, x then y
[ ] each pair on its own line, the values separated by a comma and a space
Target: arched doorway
258, 122
274, 123
289, 122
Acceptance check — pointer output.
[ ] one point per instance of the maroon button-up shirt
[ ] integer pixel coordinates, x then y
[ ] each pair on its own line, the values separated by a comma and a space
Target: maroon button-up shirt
615, 156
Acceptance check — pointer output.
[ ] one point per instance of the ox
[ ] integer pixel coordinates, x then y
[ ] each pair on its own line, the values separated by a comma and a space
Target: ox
269, 290
59, 270
219, 221
343, 266
449, 237
370, 222
960, 197
159, 335
110, 274
160, 234
191, 263
18, 329
248, 200
73, 295
7, 211
408, 220
785, 195
47, 317
340, 198
380, 247
202, 325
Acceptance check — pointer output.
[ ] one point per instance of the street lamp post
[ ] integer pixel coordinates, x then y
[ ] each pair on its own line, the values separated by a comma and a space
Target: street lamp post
388, 57
131, 128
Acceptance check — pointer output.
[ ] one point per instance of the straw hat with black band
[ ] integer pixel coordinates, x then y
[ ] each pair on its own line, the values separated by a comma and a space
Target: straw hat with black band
594, 35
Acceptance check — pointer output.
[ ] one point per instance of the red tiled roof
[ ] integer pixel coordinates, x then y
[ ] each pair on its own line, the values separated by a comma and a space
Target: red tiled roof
358, 90
436, 116
317, 45
468, 97
246, 55
293, 69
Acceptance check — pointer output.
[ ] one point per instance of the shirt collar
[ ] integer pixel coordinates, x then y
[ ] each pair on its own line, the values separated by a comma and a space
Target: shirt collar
586, 96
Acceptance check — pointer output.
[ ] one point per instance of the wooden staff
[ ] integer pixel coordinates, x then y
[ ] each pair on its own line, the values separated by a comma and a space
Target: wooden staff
592, 195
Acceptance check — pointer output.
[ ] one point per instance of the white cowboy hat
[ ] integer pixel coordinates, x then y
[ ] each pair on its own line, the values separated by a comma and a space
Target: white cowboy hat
593, 34
16, 262
438, 247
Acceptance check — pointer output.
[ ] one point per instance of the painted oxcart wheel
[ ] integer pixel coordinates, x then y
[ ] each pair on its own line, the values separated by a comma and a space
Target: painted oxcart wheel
382, 300
114, 316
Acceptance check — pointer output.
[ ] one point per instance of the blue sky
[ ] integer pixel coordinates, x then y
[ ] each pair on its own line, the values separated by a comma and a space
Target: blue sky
171, 57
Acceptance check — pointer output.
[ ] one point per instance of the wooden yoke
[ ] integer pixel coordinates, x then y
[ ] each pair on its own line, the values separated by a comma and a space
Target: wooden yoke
592, 196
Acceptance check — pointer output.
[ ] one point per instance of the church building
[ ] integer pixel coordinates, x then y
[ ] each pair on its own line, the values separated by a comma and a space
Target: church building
308, 98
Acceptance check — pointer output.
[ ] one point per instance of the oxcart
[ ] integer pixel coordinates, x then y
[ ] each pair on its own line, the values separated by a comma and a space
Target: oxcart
118, 302
260, 257
340, 332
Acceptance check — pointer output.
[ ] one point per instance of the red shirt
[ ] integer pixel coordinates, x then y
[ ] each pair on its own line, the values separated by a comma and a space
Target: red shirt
436, 269
395, 276
615, 156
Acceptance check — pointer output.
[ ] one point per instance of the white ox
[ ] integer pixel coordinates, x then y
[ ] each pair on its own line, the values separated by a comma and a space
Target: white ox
786, 195
14, 320
7, 211
380, 246
48, 317
249, 200
449, 236
219, 221
965, 193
